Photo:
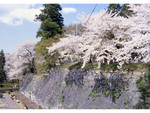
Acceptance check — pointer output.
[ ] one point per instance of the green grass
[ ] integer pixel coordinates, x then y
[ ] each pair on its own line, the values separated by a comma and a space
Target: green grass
109, 67
62, 97
9, 85
93, 66
41, 75
76, 66
141, 67
67, 65
76, 106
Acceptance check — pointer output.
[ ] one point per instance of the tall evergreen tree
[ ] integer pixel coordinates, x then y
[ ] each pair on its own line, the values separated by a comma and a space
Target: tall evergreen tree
114, 8
52, 21
2, 64
121, 10
125, 12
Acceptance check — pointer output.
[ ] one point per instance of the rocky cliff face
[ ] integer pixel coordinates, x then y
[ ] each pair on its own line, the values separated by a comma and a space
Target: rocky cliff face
82, 89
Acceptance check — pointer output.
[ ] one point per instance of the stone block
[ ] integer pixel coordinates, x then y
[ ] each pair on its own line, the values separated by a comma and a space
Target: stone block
133, 87
91, 78
108, 75
129, 94
134, 101
91, 83
137, 73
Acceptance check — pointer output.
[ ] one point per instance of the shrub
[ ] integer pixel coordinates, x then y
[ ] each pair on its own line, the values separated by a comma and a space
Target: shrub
43, 58
1, 95
140, 105
143, 85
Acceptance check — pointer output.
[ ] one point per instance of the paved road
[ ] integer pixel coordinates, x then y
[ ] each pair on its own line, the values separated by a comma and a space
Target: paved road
26, 101
9, 104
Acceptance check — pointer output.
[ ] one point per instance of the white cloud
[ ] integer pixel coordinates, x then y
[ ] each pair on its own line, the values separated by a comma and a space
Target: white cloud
67, 10
15, 14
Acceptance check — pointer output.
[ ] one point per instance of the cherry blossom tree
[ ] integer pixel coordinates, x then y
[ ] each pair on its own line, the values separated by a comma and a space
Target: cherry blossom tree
109, 37
21, 61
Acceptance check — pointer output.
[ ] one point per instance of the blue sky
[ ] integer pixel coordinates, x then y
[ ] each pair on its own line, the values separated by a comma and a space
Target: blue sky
17, 21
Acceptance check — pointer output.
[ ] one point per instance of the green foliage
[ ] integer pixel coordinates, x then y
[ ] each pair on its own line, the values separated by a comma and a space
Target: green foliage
9, 85
52, 21
110, 86
143, 85
41, 75
93, 66
76, 66
1, 95
126, 107
109, 67
58, 83
106, 93
135, 67
125, 12
44, 59
117, 93
121, 10
40, 47
66, 65
126, 67
2, 64
114, 7
140, 105
126, 101
50, 29
118, 106
62, 97
92, 93
45, 76
76, 106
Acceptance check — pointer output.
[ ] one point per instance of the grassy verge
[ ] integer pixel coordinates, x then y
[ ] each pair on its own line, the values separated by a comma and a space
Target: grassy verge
66, 65
9, 85
142, 67
2, 105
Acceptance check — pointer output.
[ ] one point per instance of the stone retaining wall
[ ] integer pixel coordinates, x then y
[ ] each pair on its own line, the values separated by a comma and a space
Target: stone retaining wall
82, 89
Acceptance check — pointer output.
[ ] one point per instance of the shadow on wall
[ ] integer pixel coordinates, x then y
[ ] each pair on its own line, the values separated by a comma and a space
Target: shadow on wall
74, 77
112, 86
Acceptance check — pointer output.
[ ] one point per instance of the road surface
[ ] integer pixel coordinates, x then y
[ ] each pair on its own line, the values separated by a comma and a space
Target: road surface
7, 103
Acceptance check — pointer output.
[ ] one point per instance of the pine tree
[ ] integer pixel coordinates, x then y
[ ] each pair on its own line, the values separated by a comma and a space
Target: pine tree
2, 64
121, 10
52, 21
125, 12
114, 8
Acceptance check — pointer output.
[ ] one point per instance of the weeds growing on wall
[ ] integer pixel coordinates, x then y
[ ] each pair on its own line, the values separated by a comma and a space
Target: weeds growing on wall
62, 97
74, 78
111, 86
143, 85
